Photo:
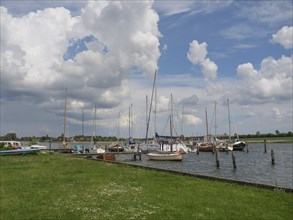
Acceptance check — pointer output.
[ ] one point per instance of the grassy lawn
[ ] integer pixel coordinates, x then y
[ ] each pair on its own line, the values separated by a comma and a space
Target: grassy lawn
269, 140
55, 186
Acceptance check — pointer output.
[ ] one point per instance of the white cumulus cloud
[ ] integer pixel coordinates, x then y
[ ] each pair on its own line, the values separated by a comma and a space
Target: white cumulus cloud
197, 55
37, 63
273, 81
284, 37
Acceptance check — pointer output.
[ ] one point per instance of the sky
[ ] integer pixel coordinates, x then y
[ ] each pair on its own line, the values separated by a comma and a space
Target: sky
106, 54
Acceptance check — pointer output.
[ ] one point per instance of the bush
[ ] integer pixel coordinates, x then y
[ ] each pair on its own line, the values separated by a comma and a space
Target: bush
4, 146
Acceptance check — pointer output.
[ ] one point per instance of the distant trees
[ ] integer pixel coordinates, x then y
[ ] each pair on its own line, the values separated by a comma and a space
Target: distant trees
9, 137
82, 138
259, 135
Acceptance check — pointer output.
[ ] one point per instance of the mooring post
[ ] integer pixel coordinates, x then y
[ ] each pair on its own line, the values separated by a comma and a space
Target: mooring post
265, 145
273, 156
247, 148
197, 151
137, 154
217, 158
234, 160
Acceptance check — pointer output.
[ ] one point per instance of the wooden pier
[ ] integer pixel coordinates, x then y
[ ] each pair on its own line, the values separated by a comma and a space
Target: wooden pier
96, 155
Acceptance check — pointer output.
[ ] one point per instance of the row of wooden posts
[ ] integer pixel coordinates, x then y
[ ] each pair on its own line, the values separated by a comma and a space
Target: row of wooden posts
234, 158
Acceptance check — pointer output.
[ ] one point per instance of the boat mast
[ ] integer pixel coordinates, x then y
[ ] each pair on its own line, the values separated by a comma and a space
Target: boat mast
94, 127
82, 121
182, 120
171, 122
207, 126
229, 120
130, 123
148, 121
65, 109
215, 119
155, 112
146, 111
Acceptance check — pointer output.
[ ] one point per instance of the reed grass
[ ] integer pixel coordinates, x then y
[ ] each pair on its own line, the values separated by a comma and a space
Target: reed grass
55, 186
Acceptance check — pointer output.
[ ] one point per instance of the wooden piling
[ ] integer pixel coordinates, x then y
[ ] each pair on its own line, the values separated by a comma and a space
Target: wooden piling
273, 156
197, 149
217, 158
265, 145
137, 154
234, 160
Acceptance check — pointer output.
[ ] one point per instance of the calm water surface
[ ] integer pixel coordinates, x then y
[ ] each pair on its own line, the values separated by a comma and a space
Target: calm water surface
254, 166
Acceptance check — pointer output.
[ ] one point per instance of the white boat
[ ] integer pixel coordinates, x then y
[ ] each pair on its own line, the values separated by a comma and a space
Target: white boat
149, 147
165, 156
222, 145
174, 147
97, 150
18, 152
40, 147
11, 144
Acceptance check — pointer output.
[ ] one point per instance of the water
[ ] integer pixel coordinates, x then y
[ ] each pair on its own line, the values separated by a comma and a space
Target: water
254, 166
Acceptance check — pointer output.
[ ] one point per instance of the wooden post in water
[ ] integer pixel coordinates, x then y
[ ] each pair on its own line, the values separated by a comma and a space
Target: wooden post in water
273, 156
247, 148
234, 160
197, 151
217, 158
265, 145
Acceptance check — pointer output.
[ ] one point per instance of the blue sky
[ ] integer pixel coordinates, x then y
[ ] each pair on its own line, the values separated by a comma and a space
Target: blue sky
106, 53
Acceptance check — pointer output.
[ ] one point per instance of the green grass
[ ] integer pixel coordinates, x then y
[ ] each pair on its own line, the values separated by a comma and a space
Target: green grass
269, 140
55, 186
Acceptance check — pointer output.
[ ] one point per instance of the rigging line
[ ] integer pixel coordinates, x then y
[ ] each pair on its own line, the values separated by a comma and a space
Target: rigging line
212, 121
178, 118
148, 122
167, 123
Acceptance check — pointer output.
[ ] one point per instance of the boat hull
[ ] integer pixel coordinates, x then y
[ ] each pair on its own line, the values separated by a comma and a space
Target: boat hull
110, 157
165, 157
239, 146
205, 147
18, 152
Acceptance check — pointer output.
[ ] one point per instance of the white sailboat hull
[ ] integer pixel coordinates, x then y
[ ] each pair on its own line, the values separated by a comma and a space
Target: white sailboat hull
165, 156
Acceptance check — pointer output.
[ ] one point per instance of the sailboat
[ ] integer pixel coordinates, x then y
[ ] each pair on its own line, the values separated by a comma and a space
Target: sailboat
237, 145
150, 145
169, 150
93, 147
64, 143
207, 145
219, 144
